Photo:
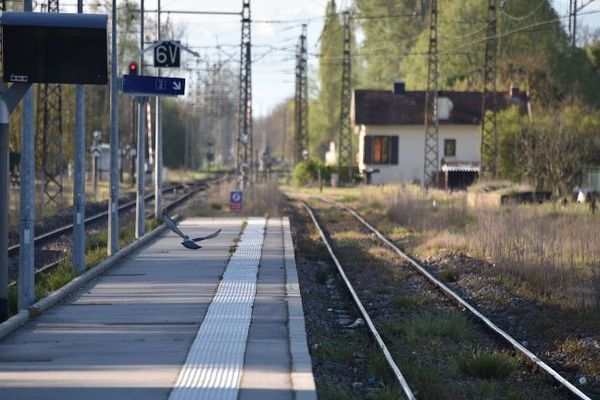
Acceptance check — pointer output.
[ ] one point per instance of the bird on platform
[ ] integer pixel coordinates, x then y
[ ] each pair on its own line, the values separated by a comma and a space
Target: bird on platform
187, 241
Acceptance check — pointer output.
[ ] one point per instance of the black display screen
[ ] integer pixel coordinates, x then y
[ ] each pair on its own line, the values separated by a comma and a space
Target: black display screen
37, 54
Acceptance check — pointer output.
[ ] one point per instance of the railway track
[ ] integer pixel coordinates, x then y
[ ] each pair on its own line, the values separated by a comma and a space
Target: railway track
519, 349
14, 250
59, 232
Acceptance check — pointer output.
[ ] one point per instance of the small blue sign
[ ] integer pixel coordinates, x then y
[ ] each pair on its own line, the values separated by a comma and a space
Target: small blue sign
236, 200
140, 85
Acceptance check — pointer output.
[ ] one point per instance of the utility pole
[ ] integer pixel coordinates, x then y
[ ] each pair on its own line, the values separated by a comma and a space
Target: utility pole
432, 128
489, 133
244, 141
197, 112
79, 176
301, 99
141, 143
113, 200
50, 125
158, 157
27, 197
574, 8
345, 138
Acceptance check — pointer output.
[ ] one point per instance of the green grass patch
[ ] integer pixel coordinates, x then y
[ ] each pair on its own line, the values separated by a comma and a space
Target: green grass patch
450, 275
486, 365
334, 391
51, 281
425, 326
349, 199
401, 302
336, 350
425, 381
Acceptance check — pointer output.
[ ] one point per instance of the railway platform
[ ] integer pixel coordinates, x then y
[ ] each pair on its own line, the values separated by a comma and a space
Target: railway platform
222, 322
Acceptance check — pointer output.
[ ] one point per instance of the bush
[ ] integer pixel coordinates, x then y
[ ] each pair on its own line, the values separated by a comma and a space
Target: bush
306, 172
487, 365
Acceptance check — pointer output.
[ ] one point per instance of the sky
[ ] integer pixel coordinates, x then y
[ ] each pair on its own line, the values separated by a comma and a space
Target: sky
275, 31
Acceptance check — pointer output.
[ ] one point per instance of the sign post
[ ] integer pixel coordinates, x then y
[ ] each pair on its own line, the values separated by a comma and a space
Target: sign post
236, 201
140, 85
39, 48
167, 54
9, 98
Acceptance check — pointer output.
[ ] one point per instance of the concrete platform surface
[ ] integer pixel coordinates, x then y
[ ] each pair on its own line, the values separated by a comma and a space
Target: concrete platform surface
128, 334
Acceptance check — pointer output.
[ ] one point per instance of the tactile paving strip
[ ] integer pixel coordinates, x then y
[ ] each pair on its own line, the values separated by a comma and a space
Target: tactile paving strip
213, 368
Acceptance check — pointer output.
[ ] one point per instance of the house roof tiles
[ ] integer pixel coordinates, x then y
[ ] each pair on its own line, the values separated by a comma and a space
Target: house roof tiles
382, 107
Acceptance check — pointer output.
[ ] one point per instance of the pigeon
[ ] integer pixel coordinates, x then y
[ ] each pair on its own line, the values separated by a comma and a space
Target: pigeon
187, 241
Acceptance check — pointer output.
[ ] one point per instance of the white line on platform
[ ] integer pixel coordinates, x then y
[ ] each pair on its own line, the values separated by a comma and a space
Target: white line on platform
213, 368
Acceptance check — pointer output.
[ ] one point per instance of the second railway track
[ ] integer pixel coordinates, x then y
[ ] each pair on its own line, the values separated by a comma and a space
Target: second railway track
14, 249
57, 235
562, 388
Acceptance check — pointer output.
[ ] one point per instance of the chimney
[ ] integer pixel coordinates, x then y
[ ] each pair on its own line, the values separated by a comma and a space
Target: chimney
399, 88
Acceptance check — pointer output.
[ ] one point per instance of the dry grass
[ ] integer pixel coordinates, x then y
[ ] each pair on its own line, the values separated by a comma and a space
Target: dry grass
547, 254
554, 255
261, 199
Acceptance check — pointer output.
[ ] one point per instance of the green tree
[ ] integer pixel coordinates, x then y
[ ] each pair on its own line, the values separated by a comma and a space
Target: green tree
510, 127
324, 114
553, 149
533, 51
390, 29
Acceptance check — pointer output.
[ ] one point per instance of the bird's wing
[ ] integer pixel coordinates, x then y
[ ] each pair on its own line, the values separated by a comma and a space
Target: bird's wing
190, 245
172, 225
212, 235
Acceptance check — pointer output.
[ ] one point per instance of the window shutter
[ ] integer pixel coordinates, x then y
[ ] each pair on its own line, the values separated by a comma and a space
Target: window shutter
368, 156
394, 152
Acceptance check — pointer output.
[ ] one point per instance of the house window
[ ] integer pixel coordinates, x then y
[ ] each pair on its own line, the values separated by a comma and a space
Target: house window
449, 147
381, 150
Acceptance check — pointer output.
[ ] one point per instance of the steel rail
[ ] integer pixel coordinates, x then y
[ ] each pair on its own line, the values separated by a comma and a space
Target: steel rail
388, 357
478, 315
53, 264
13, 250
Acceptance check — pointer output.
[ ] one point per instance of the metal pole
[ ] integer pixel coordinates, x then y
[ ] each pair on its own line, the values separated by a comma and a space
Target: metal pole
113, 216
79, 182
4, 201
575, 23
27, 199
158, 153
141, 144
95, 176
141, 170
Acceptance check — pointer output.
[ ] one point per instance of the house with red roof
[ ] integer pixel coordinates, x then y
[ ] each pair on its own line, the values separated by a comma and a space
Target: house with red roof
390, 127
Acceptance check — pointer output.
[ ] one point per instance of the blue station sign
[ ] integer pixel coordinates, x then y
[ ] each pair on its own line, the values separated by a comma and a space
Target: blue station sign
236, 200
140, 85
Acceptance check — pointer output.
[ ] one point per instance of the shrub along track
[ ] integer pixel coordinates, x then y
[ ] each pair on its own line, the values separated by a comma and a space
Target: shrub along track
443, 353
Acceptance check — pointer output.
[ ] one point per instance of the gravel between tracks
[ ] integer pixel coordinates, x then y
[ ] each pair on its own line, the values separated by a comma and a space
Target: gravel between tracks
428, 336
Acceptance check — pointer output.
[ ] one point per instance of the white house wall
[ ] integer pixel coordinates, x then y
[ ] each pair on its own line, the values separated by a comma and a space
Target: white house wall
411, 148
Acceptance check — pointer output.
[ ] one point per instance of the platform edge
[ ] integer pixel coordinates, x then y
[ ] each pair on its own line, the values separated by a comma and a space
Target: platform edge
18, 320
303, 381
